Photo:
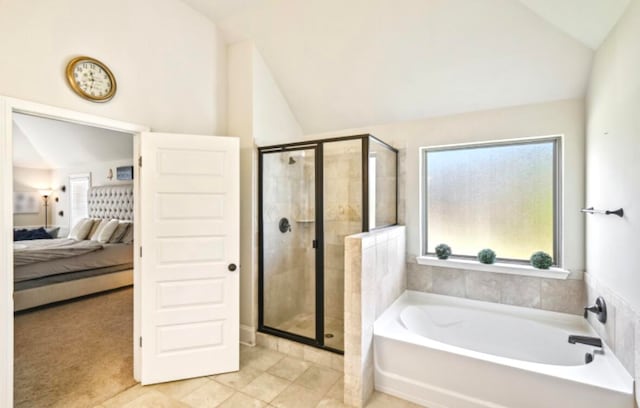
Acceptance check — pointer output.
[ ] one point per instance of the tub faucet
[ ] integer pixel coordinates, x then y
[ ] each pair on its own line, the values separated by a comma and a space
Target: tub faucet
589, 341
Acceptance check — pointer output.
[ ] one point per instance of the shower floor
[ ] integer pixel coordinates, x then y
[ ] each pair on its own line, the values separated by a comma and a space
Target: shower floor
304, 324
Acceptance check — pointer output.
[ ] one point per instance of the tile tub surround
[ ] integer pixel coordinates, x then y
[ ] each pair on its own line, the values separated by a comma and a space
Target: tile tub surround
622, 329
375, 276
558, 295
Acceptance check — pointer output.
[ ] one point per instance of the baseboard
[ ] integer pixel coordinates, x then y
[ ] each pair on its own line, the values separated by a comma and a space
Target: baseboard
247, 335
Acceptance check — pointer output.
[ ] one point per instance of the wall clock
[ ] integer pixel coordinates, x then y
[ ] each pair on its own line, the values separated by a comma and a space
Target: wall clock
91, 79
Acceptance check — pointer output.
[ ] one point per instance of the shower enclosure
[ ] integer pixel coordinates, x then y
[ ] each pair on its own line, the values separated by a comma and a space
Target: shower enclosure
311, 195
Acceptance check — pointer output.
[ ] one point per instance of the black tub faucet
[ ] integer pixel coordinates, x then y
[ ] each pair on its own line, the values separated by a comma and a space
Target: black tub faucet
589, 341
600, 309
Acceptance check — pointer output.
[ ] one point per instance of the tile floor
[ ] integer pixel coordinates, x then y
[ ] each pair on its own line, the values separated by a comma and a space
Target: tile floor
304, 324
266, 378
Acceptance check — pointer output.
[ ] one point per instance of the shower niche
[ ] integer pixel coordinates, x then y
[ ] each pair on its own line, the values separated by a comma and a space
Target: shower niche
311, 196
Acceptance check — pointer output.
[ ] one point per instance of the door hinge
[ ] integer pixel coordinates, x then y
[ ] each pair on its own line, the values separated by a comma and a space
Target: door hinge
139, 161
315, 244
140, 341
140, 252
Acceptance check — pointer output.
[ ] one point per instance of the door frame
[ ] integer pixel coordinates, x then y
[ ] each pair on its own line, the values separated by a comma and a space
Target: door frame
8, 106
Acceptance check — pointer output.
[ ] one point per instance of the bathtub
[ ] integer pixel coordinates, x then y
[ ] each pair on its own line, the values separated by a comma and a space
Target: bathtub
441, 351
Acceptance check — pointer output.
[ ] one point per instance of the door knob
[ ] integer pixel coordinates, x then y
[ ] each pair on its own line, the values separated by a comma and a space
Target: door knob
232, 267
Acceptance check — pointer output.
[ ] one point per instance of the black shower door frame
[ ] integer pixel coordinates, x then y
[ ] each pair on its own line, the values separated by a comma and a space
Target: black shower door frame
317, 147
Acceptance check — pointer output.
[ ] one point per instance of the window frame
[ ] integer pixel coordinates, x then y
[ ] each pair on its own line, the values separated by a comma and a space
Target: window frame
558, 154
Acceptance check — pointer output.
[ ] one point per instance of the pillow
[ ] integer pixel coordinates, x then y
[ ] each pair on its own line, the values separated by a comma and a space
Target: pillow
97, 224
120, 232
18, 234
27, 235
105, 231
53, 231
81, 229
127, 238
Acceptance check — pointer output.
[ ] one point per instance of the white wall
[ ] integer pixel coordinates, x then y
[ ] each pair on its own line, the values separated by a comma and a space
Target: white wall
273, 120
26, 179
169, 60
613, 160
258, 113
561, 117
99, 171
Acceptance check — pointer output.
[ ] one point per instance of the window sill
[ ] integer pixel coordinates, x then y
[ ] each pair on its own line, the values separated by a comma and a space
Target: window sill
510, 269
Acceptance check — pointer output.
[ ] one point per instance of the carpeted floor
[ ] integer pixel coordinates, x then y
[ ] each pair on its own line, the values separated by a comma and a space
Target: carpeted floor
76, 354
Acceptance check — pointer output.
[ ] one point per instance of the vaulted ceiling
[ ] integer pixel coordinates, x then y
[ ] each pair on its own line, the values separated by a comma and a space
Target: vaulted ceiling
42, 143
352, 63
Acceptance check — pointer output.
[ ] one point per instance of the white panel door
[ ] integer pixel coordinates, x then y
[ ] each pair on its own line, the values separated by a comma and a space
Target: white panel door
190, 250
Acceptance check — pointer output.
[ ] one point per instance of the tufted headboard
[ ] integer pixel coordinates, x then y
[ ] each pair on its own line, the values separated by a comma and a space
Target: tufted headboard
111, 202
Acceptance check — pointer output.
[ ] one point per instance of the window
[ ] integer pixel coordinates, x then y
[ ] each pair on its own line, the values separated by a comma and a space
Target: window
503, 196
78, 197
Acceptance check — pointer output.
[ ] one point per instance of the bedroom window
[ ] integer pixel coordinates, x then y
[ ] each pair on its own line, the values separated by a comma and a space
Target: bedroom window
78, 197
503, 196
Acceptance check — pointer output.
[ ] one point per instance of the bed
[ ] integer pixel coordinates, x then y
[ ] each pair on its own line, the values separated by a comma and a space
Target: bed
47, 271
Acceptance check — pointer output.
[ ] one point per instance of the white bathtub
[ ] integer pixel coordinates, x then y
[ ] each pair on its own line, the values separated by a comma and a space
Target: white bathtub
441, 351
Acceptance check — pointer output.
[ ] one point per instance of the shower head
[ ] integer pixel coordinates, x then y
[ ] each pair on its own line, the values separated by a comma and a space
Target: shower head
291, 160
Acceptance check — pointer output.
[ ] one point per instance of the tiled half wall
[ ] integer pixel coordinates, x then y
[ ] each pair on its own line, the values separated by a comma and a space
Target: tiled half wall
375, 276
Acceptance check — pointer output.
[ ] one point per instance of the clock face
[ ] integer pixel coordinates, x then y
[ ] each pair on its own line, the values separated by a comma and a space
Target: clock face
91, 79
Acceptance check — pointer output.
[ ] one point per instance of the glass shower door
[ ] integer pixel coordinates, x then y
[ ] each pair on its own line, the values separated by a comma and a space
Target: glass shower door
288, 235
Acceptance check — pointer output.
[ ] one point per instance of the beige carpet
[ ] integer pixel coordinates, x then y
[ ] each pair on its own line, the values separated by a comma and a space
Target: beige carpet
76, 354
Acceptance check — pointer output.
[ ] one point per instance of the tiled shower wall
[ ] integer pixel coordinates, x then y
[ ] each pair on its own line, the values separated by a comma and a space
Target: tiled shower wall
375, 276
286, 255
342, 216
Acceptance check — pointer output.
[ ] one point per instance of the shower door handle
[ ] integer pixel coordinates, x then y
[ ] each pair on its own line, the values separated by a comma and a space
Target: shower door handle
232, 267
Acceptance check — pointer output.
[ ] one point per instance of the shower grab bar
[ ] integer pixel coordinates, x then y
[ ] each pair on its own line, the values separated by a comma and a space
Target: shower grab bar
619, 212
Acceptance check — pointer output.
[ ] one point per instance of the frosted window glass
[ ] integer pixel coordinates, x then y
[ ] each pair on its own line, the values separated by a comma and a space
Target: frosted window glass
499, 197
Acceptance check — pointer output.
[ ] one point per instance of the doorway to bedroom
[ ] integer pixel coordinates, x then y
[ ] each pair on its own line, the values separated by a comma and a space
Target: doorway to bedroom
73, 262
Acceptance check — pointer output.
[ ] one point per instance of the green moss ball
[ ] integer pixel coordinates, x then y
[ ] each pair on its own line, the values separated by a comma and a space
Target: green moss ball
487, 256
541, 260
443, 251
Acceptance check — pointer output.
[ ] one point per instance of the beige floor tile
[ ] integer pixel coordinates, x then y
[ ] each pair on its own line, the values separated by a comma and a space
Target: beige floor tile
238, 379
380, 400
291, 348
297, 396
315, 355
289, 368
319, 378
265, 387
208, 395
239, 400
154, 399
331, 403
178, 389
126, 396
337, 391
260, 358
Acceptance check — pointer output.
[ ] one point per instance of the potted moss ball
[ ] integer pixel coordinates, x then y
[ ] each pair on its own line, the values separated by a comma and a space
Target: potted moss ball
541, 260
487, 256
443, 251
